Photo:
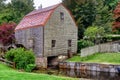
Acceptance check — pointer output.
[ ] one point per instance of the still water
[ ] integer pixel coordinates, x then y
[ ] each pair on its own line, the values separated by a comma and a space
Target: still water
93, 75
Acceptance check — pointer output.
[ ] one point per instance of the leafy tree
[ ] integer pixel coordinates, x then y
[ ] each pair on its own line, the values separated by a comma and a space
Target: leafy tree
2, 4
94, 33
84, 13
116, 23
7, 15
7, 33
15, 10
21, 8
111, 3
92, 13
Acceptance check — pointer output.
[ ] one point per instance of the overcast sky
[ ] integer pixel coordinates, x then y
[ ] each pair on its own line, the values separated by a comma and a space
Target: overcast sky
44, 3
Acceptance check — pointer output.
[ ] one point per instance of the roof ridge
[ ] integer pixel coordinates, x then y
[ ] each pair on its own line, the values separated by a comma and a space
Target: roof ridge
37, 18
43, 10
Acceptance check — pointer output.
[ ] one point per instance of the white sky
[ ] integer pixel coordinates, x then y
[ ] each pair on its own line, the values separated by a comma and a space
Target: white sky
44, 3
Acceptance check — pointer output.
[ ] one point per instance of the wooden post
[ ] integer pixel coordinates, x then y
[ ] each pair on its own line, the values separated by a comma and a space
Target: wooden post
14, 65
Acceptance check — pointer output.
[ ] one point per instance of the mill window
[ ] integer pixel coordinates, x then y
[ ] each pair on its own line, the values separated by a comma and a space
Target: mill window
61, 15
69, 43
53, 43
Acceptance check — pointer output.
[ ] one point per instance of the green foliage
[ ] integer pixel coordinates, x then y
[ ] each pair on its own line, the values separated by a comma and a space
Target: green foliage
111, 3
84, 13
104, 16
21, 8
92, 13
2, 4
30, 67
23, 58
113, 37
15, 10
84, 43
93, 33
117, 31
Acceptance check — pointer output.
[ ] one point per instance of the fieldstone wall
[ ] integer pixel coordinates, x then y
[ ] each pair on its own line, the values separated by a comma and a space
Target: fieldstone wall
108, 47
41, 62
61, 31
89, 51
89, 66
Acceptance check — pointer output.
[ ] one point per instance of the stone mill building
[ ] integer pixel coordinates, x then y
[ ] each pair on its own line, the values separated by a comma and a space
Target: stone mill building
50, 32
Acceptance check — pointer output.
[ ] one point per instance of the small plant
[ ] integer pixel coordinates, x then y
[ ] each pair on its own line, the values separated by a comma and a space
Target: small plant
30, 67
23, 58
84, 43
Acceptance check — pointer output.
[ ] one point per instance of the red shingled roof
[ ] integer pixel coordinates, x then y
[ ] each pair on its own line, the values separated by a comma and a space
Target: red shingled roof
36, 18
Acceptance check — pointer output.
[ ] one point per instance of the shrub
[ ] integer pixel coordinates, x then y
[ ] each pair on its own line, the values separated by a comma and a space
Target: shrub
30, 67
112, 37
7, 33
84, 43
23, 58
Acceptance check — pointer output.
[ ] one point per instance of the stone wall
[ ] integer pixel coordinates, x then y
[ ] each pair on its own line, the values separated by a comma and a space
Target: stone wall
89, 66
61, 31
108, 47
41, 62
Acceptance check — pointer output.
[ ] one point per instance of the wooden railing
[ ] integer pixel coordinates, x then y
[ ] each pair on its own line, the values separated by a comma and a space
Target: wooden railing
9, 63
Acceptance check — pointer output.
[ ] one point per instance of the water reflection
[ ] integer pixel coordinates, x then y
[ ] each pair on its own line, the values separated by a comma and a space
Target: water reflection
82, 74
92, 75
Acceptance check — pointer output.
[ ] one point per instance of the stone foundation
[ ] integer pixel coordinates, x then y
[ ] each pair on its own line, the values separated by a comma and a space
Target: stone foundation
41, 62
89, 66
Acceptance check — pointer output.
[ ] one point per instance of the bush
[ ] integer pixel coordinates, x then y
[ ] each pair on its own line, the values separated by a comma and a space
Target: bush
30, 67
84, 43
23, 58
112, 37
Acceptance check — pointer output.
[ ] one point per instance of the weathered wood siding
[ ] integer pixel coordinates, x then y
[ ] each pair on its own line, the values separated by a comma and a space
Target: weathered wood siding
35, 34
61, 31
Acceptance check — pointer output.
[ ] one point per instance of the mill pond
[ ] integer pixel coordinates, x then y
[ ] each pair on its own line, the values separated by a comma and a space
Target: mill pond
92, 75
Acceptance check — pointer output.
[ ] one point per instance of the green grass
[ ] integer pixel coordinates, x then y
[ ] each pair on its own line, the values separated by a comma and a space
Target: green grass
7, 73
112, 58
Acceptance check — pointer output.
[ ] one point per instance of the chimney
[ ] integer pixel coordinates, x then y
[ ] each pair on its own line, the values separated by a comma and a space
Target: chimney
40, 7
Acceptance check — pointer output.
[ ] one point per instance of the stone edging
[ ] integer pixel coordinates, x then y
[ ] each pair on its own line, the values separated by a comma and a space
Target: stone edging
89, 66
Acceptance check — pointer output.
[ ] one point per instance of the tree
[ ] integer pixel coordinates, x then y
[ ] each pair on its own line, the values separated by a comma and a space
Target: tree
94, 33
104, 16
21, 8
92, 13
7, 14
7, 33
116, 23
110, 3
2, 4
84, 13
15, 10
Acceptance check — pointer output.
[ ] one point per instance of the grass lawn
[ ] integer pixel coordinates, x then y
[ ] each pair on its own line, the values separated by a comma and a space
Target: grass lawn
113, 58
7, 73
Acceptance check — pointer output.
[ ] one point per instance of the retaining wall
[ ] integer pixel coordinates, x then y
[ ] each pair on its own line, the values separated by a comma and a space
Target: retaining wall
108, 47
89, 66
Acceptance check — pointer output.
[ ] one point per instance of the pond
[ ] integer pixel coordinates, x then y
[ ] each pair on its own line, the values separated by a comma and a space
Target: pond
81, 74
